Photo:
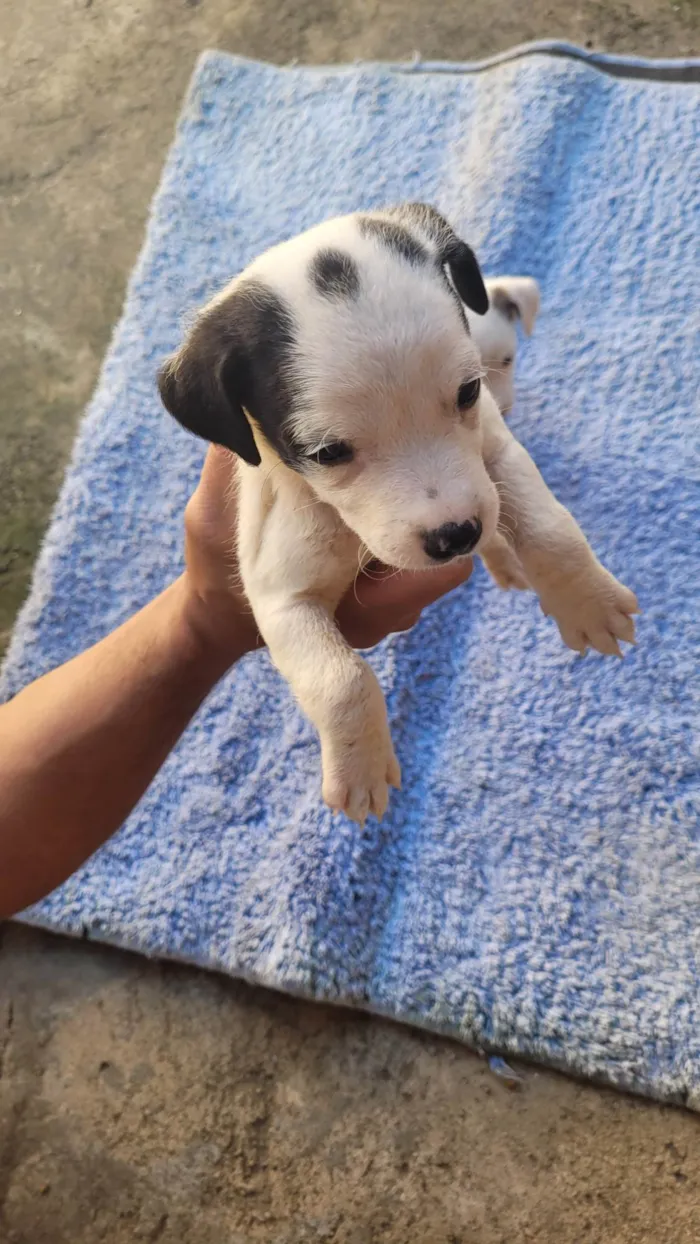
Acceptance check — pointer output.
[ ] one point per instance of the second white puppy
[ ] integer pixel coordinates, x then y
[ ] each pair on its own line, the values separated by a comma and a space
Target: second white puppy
513, 300
340, 369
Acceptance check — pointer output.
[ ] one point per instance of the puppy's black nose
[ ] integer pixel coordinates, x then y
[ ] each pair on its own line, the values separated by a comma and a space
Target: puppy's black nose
452, 540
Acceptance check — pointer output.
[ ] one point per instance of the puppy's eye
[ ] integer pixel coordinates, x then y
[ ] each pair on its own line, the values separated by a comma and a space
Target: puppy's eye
468, 394
335, 453
507, 362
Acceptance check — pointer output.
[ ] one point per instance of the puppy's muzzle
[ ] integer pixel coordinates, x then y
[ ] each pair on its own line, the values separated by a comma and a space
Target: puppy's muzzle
452, 540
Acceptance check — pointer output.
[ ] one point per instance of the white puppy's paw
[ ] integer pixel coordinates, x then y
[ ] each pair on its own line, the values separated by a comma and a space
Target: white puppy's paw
503, 564
357, 775
592, 610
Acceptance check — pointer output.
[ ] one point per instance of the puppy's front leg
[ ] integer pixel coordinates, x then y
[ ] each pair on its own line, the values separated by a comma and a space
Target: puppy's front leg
588, 604
342, 697
297, 558
503, 564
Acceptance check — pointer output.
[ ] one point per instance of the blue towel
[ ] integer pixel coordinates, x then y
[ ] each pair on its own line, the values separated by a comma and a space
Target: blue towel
535, 888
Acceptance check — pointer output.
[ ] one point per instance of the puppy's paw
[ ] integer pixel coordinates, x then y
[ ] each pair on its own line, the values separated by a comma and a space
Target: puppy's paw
357, 775
592, 610
503, 564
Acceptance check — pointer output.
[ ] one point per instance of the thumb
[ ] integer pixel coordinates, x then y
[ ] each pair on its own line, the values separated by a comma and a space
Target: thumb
214, 501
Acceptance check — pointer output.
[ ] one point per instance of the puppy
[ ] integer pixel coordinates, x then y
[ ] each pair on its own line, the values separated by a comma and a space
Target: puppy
340, 369
512, 300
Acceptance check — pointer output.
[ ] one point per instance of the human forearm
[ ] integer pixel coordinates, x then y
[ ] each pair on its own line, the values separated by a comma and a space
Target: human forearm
79, 747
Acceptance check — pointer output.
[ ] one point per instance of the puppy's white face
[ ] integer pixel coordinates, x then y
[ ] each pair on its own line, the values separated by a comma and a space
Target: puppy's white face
356, 365
386, 427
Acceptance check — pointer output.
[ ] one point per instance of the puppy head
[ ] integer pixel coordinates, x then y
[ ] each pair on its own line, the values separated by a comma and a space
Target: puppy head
512, 299
346, 353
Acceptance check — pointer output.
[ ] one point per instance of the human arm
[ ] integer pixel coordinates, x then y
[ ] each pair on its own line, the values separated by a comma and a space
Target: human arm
79, 747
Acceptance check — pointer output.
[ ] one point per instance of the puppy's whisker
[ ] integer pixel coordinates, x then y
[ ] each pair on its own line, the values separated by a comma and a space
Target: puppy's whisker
504, 531
316, 501
501, 486
506, 498
504, 495
391, 575
273, 468
504, 490
505, 508
507, 515
506, 526
361, 553
365, 564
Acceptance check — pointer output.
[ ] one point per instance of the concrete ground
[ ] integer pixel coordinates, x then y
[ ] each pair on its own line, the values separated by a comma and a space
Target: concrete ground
148, 1102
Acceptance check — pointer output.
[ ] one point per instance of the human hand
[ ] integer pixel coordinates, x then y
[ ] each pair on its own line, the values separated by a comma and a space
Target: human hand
381, 601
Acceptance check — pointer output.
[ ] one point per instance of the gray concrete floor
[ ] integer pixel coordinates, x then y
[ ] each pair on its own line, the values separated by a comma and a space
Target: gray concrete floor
147, 1102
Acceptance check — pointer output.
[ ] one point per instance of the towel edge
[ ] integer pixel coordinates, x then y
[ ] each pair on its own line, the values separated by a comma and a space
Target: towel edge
683, 70
538, 1057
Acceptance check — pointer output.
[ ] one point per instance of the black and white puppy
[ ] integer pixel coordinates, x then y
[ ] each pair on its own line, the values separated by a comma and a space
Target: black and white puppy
343, 360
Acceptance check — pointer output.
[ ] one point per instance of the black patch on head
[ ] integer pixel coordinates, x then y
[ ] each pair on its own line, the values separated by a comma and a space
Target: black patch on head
425, 217
451, 252
395, 237
335, 274
237, 361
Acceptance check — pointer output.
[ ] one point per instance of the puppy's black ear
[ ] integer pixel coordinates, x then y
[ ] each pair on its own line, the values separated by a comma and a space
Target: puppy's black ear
202, 386
203, 408
464, 269
453, 253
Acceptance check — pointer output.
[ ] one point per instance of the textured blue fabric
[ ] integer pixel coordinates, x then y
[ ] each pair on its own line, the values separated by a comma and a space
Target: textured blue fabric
535, 888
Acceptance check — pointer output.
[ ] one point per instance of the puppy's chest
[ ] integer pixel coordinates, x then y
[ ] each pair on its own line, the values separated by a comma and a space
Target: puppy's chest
289, 538
322, 553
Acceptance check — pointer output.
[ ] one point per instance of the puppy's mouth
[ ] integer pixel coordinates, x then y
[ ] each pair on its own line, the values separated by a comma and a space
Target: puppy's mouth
450, 543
